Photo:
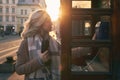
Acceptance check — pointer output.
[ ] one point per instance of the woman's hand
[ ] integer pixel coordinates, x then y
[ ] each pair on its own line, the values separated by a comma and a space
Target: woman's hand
45, 56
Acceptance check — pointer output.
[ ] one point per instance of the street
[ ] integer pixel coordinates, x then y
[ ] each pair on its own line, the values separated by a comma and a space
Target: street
8, 47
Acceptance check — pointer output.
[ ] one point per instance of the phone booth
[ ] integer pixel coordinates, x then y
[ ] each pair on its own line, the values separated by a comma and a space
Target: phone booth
88, 42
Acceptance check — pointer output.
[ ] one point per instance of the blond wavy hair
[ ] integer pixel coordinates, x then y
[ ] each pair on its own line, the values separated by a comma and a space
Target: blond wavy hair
34, 23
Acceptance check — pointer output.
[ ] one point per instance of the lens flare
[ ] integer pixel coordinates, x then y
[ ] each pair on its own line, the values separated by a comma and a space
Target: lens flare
53, 7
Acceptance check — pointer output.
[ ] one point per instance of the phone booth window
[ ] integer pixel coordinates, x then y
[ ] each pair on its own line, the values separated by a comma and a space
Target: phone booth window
85, 55
89, 3
87, 39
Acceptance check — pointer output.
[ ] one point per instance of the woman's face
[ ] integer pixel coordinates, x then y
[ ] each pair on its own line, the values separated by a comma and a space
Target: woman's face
47, 26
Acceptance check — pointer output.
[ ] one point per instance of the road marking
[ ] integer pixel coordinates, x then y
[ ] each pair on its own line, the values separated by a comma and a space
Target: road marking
8, 49
11, 53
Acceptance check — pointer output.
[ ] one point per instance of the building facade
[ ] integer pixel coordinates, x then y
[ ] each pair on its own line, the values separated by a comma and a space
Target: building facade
8, 21
24, 8
13, 13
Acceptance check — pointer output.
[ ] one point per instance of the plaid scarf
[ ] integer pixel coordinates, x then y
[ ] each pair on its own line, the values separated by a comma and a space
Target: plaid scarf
35, 46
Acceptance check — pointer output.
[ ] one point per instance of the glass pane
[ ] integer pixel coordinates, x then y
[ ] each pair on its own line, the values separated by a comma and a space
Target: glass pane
91, 4
81, 4
90, 59
77, 28
86, 28
80, 27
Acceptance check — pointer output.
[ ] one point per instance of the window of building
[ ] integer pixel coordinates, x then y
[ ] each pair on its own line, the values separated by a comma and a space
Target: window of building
7, 10
13, 18
0, 1
21, 21
13, 1
25, 12
7, 18
7, 1
1, 18
21, 11
13, 10
0, 9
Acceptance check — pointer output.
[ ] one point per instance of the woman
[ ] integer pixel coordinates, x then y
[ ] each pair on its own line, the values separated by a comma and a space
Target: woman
33, 53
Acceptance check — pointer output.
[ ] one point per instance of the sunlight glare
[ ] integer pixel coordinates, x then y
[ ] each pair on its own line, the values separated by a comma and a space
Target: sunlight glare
53, 7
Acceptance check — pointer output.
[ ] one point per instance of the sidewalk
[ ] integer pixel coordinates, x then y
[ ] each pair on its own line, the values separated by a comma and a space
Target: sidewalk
11, 76
6, 37
5, 75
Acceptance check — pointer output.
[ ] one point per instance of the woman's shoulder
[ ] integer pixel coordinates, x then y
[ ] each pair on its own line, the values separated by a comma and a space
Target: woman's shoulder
23, 47
24, 42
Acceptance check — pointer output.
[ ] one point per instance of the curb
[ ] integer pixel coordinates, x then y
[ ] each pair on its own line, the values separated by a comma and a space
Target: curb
9, 37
